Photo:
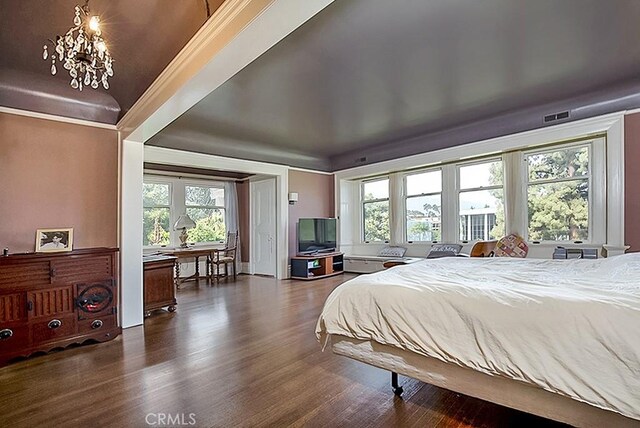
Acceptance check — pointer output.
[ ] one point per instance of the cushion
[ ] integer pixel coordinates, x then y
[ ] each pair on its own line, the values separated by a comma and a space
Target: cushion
512, 245
392, 252
444, 250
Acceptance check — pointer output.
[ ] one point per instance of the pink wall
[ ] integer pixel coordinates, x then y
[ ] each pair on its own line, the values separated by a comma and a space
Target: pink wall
243, 214
316, 199
632, 181
55, 174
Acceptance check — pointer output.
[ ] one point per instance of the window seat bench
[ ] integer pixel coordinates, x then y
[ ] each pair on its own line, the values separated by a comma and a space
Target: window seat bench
370, 264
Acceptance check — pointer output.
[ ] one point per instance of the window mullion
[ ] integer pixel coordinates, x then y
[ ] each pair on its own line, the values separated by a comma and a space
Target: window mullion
449, 213
396, 209
178, 207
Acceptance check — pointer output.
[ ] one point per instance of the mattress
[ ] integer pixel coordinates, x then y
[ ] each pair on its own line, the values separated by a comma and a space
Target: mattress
568, 327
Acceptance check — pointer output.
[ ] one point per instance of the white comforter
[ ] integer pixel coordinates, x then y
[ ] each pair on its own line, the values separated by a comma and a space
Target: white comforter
570, 327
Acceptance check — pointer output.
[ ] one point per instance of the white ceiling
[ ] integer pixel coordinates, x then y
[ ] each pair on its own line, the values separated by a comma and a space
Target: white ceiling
366, 73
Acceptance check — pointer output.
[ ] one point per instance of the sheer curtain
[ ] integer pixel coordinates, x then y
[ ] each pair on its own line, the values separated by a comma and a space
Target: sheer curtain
232, 220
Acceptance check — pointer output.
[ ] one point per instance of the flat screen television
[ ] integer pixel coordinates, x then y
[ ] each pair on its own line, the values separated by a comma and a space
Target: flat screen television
316, 235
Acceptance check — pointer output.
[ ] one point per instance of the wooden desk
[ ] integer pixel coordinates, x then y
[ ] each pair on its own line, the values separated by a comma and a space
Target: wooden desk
192, 253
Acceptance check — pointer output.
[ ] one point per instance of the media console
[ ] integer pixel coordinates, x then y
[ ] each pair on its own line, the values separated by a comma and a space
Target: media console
317, 266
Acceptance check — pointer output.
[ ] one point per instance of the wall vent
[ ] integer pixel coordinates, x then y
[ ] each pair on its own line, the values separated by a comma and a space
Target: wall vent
556, 116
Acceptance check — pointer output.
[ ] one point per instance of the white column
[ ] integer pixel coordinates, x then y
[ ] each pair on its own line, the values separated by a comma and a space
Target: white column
131, 234
282, 224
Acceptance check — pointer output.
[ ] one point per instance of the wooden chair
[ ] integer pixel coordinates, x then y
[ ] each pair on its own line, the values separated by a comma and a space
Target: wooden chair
225, 256
483, 249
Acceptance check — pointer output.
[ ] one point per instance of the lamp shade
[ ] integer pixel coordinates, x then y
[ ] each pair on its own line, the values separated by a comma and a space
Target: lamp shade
184, 222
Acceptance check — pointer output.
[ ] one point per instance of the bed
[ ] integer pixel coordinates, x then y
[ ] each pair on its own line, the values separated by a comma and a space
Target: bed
560, 339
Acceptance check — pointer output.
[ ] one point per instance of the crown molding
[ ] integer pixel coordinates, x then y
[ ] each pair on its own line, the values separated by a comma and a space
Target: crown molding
55, 118
311, 171
225, 23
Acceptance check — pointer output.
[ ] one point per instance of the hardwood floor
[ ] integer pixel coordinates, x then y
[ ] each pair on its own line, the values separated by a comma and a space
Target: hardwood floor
234, 354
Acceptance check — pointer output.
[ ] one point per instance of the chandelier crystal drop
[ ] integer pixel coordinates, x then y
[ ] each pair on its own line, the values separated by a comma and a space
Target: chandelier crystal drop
82, 51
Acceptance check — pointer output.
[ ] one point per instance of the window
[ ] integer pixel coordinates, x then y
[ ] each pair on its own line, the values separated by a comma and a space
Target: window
423, 206
554, 192
558, 194
205, 206
156, 213
166, 198
375, 209
481, 200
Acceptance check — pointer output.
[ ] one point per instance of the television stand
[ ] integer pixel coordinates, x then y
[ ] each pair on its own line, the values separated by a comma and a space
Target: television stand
316, 266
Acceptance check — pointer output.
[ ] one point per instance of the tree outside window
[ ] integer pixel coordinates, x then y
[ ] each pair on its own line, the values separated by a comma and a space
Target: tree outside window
205, 206
558, 194
375, 207
156, 213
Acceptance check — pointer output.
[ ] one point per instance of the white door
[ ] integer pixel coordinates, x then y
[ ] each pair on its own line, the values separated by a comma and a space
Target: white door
263, 225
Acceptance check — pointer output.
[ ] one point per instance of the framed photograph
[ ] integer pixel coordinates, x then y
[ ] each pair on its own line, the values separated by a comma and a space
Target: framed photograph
54, 240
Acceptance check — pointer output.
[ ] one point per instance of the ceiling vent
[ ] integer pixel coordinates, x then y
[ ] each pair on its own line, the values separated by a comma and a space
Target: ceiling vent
556, 116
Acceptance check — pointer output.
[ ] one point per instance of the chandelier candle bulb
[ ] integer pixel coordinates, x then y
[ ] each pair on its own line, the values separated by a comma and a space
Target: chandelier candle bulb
94, 23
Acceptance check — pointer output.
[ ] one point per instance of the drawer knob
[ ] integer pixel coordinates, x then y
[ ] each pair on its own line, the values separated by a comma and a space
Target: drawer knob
96, 324
53, 324
6, 333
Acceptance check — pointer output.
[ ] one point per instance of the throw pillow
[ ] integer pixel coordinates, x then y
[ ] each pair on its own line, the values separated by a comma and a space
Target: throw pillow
390, 251
512, 245
444, 250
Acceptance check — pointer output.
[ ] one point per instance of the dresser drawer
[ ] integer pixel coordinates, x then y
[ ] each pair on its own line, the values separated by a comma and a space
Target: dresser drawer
53, 328
94, 325
13, 336
13, 307
81, 269
95, 299
21, 274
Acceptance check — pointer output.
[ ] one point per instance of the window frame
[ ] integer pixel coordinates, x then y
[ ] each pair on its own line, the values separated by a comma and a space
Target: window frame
459, 190
160, 180
364, 202
213, 185
514, 188
594, 193
406, 196
178, 204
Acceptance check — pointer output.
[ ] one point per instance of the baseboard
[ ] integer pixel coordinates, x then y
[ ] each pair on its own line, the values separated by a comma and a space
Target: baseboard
244, 267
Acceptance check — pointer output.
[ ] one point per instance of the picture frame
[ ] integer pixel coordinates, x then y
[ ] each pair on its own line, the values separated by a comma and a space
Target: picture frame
54, 240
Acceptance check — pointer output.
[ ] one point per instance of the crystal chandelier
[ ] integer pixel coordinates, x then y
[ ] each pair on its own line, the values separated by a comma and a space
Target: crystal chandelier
83, 52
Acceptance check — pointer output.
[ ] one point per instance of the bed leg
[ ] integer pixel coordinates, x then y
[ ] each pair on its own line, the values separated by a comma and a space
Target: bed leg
397, 389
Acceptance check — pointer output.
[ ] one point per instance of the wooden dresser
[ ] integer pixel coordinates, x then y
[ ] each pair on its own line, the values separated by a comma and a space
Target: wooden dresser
51, 300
